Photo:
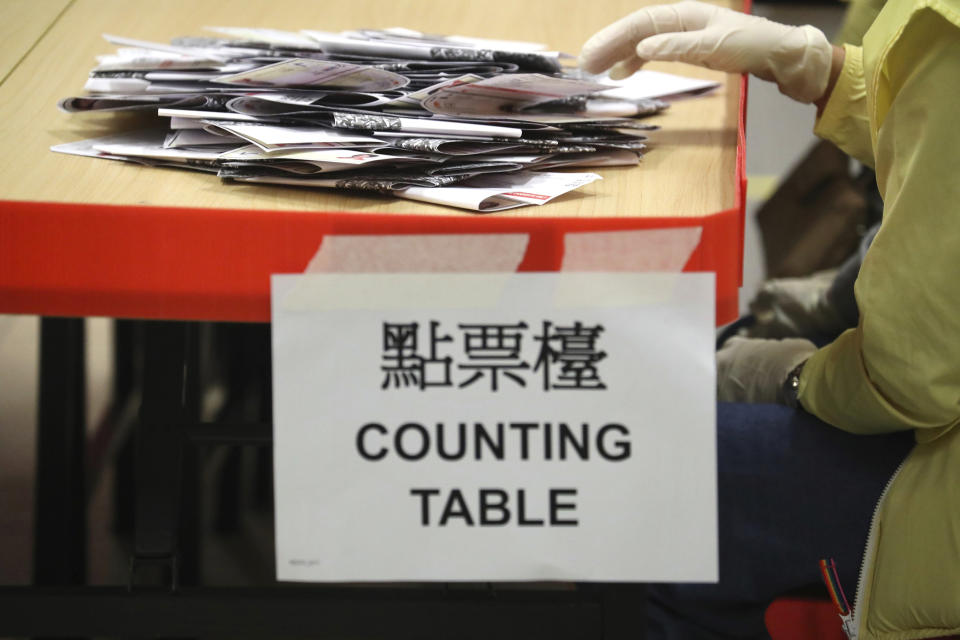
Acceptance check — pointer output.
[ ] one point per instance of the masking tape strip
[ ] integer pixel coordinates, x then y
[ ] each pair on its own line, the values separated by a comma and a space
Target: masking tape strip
395, 254
666, 250
648, 250
439, 253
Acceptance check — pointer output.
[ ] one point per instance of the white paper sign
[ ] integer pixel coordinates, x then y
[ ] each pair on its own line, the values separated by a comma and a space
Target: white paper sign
494, 427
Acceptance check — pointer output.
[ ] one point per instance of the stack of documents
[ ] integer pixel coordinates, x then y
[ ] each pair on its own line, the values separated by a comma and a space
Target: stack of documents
451, 120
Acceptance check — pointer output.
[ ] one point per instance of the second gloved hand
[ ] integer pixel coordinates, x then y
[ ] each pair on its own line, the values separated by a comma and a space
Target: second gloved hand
796, 58
754, 370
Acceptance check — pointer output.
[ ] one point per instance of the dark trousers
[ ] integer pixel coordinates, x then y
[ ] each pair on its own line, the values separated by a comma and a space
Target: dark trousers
792, 490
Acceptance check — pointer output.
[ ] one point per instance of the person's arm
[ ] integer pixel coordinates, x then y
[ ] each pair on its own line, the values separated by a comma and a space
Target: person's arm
900, 368
842, 111
798, 59
837, 58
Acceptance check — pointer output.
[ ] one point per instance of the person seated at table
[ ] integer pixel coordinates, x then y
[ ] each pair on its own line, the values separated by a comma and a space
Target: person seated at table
870, 465
822, 305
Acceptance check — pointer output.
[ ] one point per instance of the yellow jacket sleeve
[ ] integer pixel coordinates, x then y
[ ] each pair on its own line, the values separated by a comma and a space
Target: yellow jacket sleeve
900, 368
844, 120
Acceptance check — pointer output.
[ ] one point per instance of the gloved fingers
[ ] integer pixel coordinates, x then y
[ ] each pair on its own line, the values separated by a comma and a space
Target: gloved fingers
611, 44
753, 370
733, 391
672, 47
731, 345
617, 41
730, 388
688, 15
626, 68
728, 353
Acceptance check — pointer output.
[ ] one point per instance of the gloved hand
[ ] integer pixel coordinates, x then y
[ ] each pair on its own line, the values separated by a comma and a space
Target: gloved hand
798, 59
795, 307
754, 370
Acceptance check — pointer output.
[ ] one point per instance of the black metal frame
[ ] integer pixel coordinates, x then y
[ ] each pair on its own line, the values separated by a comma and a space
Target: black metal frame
60, 526
167, 603
294, 612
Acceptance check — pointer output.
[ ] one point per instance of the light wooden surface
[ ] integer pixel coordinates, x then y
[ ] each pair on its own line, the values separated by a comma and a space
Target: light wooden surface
688, 171
22, 22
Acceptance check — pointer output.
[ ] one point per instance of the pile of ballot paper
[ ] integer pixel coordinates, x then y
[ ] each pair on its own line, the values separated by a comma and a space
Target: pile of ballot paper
450, 120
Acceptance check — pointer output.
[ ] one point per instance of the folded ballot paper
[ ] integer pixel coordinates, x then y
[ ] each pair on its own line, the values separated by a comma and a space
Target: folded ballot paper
472, 123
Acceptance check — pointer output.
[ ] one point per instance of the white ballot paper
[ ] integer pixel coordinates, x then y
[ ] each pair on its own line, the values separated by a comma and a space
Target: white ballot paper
197, 138
333, 156
614, 158
491, 427
318, 73
173, 53
466, 41
307, 161
196, 114
157, 152
645, 85
127, 59
269, 137
92, 147
273, 36
404, 48
496, 192
504, 93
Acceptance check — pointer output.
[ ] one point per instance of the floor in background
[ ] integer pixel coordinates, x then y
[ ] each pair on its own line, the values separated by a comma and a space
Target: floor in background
778, 134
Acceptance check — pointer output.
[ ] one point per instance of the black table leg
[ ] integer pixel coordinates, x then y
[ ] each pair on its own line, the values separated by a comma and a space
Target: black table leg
60, 534
127, 382
165, 468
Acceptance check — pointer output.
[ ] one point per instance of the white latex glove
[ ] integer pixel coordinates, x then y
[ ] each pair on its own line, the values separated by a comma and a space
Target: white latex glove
796, 58
754, 370
795, 307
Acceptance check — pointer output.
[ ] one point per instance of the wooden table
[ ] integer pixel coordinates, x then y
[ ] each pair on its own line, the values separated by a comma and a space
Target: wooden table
81, 237
22, 25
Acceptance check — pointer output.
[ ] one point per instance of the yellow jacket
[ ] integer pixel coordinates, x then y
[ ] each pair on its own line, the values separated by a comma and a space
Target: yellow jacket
858, 18
896, 107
